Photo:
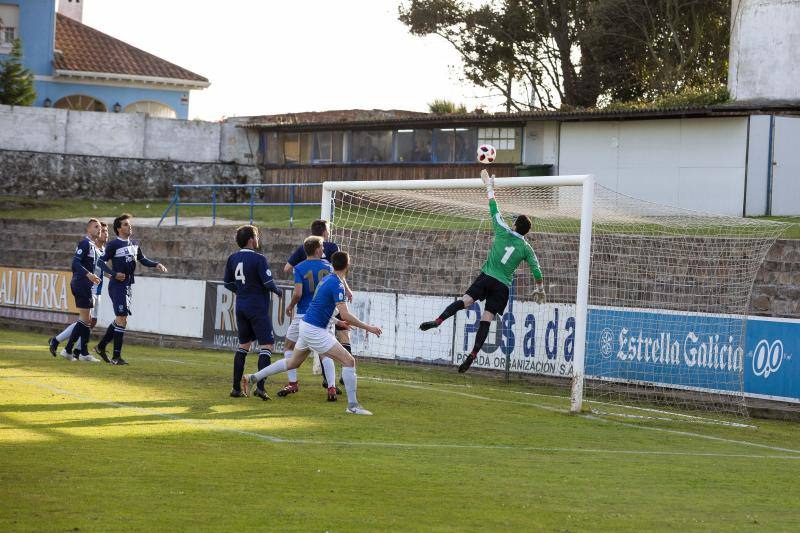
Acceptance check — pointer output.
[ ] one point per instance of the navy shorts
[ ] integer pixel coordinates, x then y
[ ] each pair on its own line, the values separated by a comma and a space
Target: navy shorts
83, 293
120, 298
254, 326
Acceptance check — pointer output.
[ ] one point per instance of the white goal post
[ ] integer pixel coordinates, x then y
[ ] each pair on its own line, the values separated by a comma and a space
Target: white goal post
585, 181
645, 302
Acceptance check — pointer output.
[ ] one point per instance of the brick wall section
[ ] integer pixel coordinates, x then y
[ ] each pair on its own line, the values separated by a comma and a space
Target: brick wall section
81, 176
200, 253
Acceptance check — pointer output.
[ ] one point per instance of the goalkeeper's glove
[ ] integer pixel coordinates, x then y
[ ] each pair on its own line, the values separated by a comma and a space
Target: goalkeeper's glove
539, 295
489, 182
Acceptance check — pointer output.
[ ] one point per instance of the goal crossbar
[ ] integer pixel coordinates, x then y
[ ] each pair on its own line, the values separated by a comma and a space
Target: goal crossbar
585, 181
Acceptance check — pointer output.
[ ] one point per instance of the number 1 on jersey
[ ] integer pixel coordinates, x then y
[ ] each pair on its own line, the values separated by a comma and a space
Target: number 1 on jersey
239, 272
509, 250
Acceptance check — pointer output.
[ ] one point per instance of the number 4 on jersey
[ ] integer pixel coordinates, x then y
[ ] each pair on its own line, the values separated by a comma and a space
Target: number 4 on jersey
239, 272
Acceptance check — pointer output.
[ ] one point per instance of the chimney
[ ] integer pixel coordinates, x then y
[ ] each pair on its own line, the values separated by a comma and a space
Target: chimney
71, 8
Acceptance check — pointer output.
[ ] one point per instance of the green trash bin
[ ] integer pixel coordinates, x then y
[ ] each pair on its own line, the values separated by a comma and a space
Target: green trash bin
534, 170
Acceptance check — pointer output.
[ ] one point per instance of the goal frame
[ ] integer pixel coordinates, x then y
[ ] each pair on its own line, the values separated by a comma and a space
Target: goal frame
585, 181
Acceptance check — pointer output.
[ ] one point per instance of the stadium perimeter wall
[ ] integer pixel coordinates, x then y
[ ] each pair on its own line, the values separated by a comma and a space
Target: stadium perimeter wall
189, 304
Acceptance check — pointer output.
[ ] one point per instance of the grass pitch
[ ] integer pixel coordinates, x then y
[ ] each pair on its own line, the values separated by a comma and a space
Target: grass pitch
159, 445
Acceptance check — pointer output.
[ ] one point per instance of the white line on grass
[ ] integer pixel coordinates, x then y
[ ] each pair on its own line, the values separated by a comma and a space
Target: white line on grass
609, 421
691, 434
279, 440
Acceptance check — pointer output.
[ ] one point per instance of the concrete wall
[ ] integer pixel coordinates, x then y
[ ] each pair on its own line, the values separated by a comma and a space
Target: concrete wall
696, 164
130, 135
765, 45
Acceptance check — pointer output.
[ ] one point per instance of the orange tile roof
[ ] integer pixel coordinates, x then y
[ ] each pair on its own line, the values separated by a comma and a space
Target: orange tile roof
84, 49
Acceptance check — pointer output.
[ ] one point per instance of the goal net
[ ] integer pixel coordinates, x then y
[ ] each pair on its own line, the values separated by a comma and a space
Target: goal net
645, 303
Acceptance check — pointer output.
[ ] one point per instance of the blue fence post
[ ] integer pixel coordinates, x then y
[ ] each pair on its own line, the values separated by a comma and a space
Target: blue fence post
214, 206
252, 194
291, 207
177, 202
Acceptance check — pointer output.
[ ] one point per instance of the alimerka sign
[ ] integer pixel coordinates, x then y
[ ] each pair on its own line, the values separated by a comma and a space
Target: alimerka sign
46, 290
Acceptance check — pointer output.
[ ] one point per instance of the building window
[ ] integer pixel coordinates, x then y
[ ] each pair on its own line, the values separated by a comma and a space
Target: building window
505, 140
372, 147
80, 102
455, 145
9, 22
328, 147
414, 146
151, 109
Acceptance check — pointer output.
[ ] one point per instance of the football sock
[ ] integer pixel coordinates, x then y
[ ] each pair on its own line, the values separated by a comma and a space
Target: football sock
77, 333
291, 374
64, 335
83, 342
349, 376
108, 336
274, 368
264, 360
119, 331
238, 368
450, 310
330, 371
480, 337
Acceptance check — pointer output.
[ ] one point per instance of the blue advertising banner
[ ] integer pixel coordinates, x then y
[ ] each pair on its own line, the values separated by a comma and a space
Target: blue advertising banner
771, 368
695, 351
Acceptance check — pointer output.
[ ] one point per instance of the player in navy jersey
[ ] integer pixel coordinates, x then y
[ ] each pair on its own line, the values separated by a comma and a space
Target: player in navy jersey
123, 253
320, 228
308, 275
81, 285
314, 334
247, 274
97, 291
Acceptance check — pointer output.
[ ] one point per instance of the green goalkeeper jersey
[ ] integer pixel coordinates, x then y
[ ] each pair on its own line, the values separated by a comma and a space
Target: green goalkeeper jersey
509, 249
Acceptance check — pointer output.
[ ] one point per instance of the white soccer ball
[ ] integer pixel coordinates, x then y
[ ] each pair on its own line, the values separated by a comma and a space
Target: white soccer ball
486, 154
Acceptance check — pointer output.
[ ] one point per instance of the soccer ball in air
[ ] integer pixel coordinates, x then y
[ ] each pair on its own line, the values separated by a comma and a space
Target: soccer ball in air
486, 154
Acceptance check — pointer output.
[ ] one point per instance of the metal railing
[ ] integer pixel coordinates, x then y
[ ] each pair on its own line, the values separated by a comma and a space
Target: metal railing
252, 204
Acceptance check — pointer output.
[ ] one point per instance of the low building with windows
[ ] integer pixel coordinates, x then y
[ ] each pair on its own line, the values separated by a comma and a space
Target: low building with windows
735, 159
80, 68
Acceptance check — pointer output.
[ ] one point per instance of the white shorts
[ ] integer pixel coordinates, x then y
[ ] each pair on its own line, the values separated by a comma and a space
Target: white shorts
95, 311
294, 328
318, 339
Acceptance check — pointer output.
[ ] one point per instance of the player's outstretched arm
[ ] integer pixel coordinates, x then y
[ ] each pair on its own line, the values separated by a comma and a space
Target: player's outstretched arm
149, 262
539, 295
266, 278
228, 279
350, 318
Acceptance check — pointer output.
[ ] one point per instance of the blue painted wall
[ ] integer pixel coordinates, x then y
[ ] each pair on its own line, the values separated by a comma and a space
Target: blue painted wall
110, 95
37, 20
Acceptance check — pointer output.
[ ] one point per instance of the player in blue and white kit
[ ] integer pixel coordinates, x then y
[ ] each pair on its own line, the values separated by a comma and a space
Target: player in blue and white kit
247, 274
83, 280
314, 334
320, 228
97, 292
307, 276
123, 253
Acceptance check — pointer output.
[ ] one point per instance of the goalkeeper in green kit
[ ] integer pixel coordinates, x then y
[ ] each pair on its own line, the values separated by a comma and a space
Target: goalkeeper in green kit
509, 249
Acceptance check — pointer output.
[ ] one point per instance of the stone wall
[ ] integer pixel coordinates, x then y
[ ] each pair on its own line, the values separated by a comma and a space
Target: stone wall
109, 178
200, 253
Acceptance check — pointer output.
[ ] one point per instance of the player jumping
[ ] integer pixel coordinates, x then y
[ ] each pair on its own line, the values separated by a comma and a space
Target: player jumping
314, 335
509, 248
247, 274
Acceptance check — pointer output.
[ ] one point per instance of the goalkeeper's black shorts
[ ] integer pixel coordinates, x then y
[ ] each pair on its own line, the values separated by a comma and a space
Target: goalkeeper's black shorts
493, 291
